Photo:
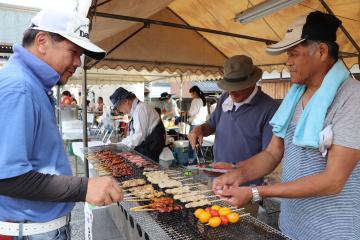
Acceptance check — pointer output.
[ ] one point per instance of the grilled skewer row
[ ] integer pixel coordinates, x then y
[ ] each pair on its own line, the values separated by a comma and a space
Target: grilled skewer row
160, 204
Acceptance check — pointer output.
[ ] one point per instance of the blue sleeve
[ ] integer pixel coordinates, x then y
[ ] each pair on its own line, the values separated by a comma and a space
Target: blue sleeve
17, 128
267, 129
215, 116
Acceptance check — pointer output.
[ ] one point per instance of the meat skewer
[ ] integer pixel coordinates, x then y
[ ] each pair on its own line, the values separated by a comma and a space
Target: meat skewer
178, 190
188, 194
169, 184
193, 198
160, 204
133, 183
200, 203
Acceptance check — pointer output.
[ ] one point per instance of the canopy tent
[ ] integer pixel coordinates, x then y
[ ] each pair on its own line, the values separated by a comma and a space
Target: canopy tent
97, 76
135, 45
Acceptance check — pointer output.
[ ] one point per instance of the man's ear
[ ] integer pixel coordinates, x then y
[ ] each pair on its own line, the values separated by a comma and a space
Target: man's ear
324, 51
41, 42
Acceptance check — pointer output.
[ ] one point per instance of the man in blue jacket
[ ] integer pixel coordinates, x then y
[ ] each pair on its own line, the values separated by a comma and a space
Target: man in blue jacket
37, 189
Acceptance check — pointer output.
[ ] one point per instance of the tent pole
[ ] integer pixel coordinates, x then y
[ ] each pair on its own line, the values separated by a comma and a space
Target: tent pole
84, 118
181, 91
182, 26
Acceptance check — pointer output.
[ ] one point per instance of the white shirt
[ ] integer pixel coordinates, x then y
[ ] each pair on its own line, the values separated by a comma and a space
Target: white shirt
197, 112
145, 119
106, 116
228, 104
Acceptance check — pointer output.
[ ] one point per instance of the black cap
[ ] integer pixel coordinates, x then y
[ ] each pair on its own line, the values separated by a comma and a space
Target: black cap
320, 26
119, 95
165, 95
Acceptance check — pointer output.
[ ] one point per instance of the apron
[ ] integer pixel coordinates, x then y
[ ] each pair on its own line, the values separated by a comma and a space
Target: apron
153, 144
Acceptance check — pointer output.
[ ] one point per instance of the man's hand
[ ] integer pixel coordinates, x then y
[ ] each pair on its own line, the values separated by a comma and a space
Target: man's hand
195, 137
229, 179
236, 196
103, 191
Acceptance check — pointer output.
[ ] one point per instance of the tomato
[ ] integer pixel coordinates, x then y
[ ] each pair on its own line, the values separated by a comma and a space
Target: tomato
208, 209
214, 222
214, 213
224, 220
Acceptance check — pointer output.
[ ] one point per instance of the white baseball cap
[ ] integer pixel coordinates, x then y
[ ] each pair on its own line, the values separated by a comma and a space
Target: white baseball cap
315, 26
69, 24
291, 38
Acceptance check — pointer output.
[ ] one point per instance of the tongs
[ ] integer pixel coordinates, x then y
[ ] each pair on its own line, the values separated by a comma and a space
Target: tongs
199, 154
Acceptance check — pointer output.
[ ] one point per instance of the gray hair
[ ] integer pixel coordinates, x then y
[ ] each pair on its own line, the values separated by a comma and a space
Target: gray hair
333, 47
30, 34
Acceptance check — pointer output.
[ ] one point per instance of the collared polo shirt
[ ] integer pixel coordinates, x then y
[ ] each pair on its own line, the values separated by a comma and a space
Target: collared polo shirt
30, 138
242, 133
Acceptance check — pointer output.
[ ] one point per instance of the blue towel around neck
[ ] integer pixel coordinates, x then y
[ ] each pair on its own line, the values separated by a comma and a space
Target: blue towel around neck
311, 121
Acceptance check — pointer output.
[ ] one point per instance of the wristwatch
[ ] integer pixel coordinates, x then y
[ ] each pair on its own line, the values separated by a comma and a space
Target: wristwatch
255, 195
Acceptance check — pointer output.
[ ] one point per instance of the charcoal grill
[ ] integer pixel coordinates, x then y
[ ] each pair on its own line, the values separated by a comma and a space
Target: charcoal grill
183, 225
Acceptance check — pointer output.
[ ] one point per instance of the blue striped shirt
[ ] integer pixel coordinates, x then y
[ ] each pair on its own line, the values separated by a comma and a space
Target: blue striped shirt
329, 217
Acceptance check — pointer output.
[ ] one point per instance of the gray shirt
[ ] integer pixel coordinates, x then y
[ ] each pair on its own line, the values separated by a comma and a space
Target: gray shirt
328, 217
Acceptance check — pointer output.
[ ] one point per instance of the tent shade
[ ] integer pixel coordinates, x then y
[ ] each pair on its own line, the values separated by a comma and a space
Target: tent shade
171, 49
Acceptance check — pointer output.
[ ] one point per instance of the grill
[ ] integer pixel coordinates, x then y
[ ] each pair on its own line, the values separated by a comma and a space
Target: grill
183, 225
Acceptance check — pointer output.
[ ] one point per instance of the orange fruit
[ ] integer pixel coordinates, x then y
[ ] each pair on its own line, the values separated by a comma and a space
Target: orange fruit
214, 222
224, 211
233, 217
216, 207
198, 212
204, 217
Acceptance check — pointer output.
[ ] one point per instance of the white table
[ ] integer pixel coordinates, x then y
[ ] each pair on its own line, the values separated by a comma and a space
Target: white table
77, 150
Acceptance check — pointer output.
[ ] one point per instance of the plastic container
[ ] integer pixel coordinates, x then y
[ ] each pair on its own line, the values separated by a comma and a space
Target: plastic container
165, 163
166, 158
181, 155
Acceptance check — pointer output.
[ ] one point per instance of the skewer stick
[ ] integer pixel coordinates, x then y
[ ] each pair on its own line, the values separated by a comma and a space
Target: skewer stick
235, 208
206, 191
238, 209
139, 207
104, 174
138, 200
192, 184
180, 178
216, 200
244, 215
145, 210
131, 197
211, 196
